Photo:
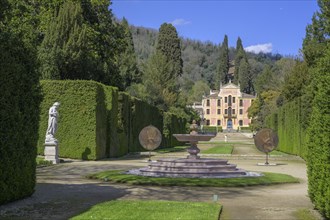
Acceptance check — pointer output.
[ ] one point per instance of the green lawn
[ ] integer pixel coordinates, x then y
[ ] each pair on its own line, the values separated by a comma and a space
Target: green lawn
158, 210
41, 162
278, 153
117, 176
223, 142
219, 149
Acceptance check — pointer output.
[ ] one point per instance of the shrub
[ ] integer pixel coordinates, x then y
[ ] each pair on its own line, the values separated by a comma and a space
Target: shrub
212, 129
19, 114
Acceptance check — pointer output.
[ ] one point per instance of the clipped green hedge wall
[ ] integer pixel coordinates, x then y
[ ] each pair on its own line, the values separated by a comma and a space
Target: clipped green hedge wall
290, 125
212, 129
123, 124
82, 127
97, 121
113, 148
318, 157
19, 115
306, 133
143, 114
172, 125
135, 114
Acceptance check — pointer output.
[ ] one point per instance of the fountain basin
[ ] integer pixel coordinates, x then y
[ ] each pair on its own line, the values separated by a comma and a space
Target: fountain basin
193, 137
217, 168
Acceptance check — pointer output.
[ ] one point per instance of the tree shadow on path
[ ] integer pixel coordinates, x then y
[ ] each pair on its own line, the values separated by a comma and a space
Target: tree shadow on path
60, 201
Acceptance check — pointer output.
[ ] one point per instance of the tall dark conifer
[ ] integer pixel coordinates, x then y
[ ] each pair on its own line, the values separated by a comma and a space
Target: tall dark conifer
81, 42
127, 59
223, 65
239, 55
169, 45
242, 74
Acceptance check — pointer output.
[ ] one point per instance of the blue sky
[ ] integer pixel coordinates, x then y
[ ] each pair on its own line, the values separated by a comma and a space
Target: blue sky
276, 26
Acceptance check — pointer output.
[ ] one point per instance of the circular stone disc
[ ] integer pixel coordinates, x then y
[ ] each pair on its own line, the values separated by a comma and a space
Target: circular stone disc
150, 137
266, 140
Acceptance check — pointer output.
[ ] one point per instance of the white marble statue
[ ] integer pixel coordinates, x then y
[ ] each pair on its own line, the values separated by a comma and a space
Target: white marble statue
52, 123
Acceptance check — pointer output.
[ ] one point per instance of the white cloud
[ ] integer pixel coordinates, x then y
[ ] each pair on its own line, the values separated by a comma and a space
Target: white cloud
264, 48
180, 21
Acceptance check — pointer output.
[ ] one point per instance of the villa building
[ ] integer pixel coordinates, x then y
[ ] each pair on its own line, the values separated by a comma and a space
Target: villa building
227, 108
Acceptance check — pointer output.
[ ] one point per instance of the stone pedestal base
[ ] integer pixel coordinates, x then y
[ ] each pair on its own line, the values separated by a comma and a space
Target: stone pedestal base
51, 152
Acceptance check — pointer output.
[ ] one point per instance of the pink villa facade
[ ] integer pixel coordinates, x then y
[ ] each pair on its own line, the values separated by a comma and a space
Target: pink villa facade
227, 108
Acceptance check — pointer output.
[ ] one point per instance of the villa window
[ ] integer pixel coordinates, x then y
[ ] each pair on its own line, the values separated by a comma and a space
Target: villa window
241, 103
233, 111
219, 122
229, 111
218, 102
226, 111
207, 111
241, 111
234, 99
219, 111
229, 100
207, 102
207, 122
240, 122
225, 99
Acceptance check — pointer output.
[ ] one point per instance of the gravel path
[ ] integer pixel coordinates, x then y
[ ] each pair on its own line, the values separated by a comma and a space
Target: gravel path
62, 191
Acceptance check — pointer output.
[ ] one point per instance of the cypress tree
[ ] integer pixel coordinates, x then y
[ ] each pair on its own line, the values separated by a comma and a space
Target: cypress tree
239, 55
159, 82
81, 42
127, 59
223, 66
63, 53
168, 43
242, 74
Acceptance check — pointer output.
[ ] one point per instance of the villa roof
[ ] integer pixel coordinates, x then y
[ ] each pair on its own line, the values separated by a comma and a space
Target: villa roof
230, 85
215, 95
244, 95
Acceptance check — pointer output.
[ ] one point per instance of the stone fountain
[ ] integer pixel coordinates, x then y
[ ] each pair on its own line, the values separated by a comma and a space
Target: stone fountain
193, 165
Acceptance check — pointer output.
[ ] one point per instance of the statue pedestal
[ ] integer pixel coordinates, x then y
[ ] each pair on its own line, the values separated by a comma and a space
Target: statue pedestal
51, 152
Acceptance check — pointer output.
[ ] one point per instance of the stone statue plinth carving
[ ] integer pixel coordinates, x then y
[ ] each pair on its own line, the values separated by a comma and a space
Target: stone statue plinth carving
51, 144
51, 152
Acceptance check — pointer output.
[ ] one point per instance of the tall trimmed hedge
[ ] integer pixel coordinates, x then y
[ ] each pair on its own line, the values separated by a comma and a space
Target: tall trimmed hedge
135, 114
82, 127
173, 125
113, 147
290, 123
97, 121
306, 133
19, 115
318, 157
124, 123
143, 114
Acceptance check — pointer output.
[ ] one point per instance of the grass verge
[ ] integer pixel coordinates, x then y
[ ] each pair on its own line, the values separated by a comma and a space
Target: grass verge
42, 162
305, 214
219, 149
158, 210
117, 176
